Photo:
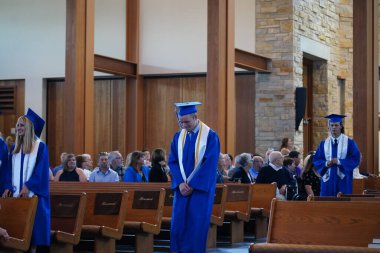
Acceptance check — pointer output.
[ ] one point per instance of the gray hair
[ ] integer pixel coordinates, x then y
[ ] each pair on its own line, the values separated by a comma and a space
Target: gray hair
274, 155
243, 159
112, 155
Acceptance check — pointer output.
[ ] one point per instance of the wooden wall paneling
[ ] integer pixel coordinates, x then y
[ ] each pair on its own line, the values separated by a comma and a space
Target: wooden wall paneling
8, 121
118, 112
132, 26
134, 114
365, 83
160, 122
103, 121
194, 89
245, 114
54, 121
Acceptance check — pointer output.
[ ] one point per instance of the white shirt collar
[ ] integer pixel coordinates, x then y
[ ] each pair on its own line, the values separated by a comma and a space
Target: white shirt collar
275, 167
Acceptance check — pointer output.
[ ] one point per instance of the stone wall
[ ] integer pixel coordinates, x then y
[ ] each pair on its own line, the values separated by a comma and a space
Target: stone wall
280, 27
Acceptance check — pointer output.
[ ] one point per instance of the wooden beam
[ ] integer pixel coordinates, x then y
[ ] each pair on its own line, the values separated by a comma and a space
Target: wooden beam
220, 88
252, 62
115, 66
365, 83
135, 92
79, 80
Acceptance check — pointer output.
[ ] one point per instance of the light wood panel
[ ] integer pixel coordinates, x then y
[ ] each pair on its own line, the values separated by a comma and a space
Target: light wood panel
103, 121
8, 121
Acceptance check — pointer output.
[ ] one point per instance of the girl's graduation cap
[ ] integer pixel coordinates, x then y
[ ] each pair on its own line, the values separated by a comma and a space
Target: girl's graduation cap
38, 122
335, 118
187, 107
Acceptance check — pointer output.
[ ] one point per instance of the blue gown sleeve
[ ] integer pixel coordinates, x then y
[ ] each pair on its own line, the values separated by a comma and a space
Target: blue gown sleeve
39, 180
352, 159
173, 163
205, 177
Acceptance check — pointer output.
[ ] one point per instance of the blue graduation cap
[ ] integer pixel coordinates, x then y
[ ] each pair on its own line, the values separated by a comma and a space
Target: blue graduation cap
38, 122
187, 107
335, 118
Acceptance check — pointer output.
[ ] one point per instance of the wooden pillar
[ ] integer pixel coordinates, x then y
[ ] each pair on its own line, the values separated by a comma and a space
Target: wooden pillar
135, 105
79, 80
220, 89
365, 83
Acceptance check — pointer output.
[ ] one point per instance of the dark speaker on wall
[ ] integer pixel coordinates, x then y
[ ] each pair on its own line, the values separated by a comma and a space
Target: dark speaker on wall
300, 104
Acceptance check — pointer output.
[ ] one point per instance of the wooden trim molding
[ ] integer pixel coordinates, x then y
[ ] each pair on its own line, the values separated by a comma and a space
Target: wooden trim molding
252, 62
115, 66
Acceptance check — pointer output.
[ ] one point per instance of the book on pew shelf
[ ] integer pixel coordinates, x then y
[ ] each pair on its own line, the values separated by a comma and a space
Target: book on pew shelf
376, 240
374, 245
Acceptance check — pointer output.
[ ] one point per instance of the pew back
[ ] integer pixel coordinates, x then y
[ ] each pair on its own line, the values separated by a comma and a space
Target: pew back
238, 202
262, 195
17, 217
340, 223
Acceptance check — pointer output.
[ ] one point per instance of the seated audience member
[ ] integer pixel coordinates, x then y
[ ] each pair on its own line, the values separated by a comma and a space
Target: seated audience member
116, 163
70, 172
234, 168
158, 172
84, 162
311, 180
51, 177
59, 167
137, 172
4, 234
222, 169
257, 164
242, 173
274, 172
267, 154
146, 158
292, 186
9, 141
103, 173
295, 155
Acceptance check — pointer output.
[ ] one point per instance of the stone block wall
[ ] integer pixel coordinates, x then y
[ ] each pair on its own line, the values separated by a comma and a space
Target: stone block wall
279, 28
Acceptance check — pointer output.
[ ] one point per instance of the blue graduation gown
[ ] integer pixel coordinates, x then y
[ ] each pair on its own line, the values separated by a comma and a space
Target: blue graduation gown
3, 164
191, 214
335, 184
39, 184
132, 176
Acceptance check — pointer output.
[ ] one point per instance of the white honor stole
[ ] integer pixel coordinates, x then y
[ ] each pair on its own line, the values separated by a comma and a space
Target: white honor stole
200, 149
341, 154
29, 163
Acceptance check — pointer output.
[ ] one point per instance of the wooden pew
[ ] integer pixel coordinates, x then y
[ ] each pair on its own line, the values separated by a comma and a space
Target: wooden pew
339, 223
144, 210
217, 216
105, 211
261, 198
344, 198
360, 185
301, 248
238, 209
17, 217
67, 214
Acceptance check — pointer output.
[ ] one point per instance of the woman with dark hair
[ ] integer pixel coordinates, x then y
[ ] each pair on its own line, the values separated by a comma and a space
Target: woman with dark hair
286, 146
27, 175
157, 172
137, 172
311, 180
70, 172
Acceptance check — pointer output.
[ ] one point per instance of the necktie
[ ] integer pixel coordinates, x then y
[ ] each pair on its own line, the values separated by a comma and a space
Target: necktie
190, 135
335, 142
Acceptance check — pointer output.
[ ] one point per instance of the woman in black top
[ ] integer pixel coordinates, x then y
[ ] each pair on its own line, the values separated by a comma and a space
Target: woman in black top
157, 172
70, 171
311, 180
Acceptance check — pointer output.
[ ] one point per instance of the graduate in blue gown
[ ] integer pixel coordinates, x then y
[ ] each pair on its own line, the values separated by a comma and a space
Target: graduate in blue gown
28, 174
336, 158
193, 159
3, 162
